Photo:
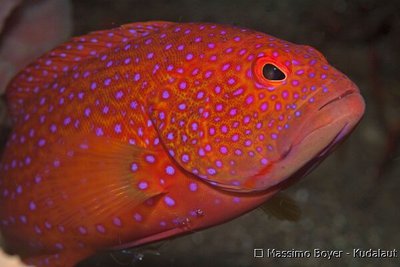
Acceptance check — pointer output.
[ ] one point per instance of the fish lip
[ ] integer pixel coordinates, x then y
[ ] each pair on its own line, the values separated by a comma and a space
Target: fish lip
335, 140
343, 95
333, 100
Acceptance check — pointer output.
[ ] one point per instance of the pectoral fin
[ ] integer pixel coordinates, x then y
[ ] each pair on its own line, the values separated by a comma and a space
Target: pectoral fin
282, 207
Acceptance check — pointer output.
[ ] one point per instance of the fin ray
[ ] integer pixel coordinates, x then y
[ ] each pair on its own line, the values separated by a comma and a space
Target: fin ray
103, 182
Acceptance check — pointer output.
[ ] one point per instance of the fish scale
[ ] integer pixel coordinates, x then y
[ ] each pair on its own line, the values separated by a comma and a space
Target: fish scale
127, 136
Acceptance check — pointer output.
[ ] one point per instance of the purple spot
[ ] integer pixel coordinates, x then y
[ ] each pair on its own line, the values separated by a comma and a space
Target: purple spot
235, 137
208, 74
193, 187
23, 219
236, 200
47, 225
118, 128
137, 217
213, 58
226, 66
211, 171
201, 152
223, 149
169, 201
233, 112
150, 159
235, 182
59, 246
136, 77
249, 99
185, 158
19, 189
38, 179
99, 132
165, 94
117, 221
67, 120
247, 142
106, 109
56, 163
264, 106
107, 81
189, 56
100, 228
200, 95
134, 167
61, 228
182, 106
38, 230
119, 95
195, 126
143, 185
239, 91
150, 55
87, 112
82, 230
295, 82
41, 142
32, 206
182, 85
219, 107
170, 170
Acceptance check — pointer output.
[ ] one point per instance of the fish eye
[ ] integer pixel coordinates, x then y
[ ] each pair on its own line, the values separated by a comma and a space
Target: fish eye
272, 73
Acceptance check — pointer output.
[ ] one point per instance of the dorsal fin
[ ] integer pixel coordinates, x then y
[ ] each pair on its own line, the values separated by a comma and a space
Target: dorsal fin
66, 58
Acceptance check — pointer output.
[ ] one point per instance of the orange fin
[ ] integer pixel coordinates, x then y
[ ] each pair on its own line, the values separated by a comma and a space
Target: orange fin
95, 178
282, 207
61, 61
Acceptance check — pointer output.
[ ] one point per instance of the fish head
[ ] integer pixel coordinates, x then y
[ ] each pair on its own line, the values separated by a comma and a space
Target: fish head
248, 111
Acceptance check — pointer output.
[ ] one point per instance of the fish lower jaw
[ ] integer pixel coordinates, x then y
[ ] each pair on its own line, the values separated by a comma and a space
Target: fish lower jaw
332, 125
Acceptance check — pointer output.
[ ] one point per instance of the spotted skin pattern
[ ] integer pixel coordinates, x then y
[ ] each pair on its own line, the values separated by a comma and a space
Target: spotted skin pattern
131, 135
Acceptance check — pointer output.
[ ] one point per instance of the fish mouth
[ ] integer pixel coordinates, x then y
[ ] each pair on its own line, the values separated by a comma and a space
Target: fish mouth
343, 95
330, 123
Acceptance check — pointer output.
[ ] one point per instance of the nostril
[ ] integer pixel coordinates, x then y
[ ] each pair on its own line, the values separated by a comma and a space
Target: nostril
345, 94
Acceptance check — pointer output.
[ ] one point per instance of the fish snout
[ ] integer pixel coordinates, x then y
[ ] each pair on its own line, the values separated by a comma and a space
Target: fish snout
316, 132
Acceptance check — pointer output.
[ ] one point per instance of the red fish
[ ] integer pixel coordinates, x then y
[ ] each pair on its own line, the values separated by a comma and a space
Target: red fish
151, 130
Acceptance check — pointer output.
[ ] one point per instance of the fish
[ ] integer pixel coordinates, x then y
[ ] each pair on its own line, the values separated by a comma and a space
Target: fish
157, 129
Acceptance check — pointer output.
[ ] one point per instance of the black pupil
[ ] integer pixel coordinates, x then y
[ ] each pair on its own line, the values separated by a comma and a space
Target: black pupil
272, 73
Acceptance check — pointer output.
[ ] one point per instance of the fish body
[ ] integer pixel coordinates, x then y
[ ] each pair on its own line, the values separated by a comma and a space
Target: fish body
127, 136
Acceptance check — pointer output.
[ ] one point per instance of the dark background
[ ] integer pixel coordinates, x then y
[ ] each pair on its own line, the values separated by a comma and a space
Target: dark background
352, 200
